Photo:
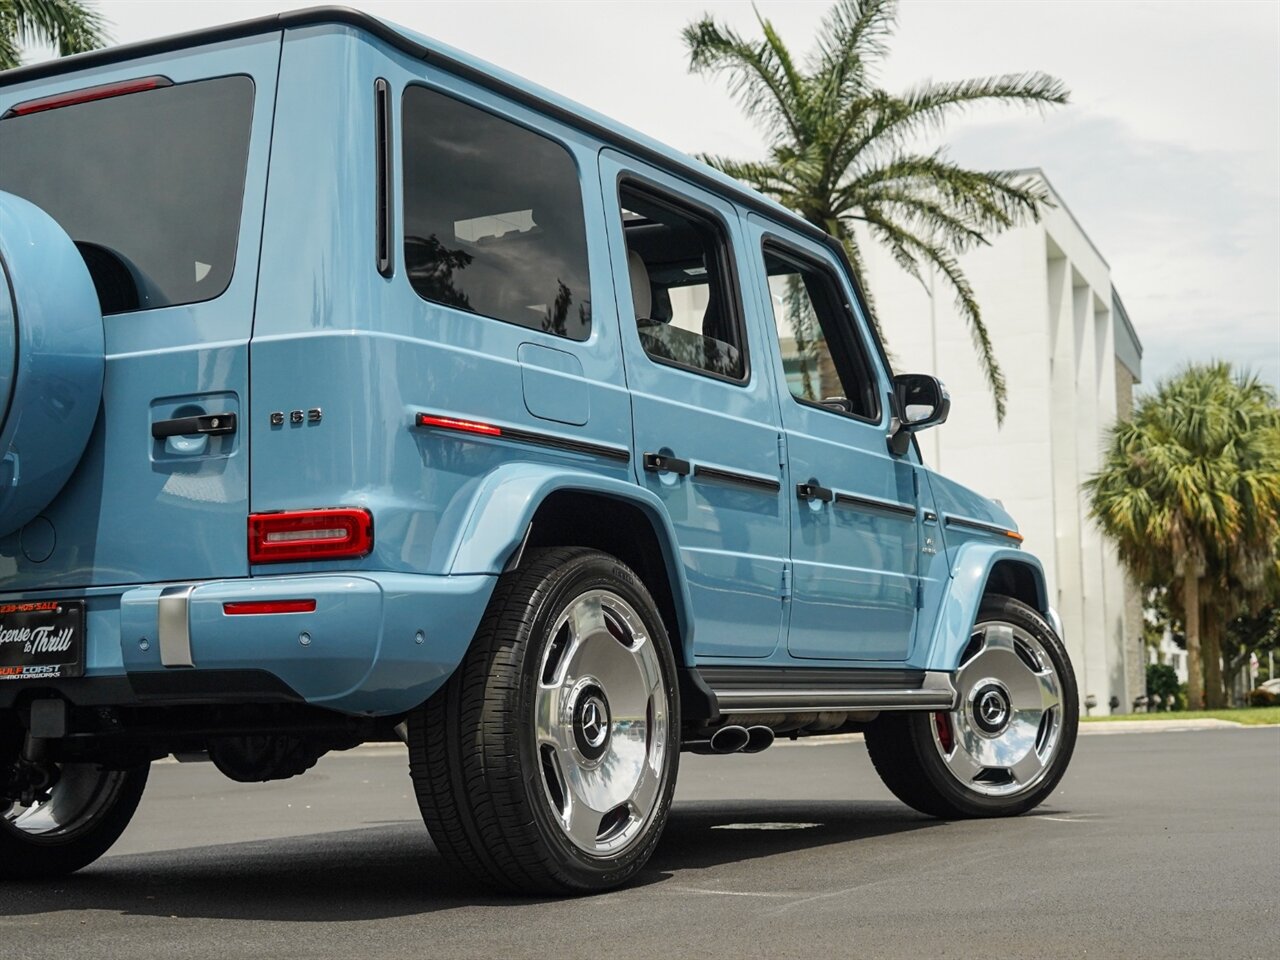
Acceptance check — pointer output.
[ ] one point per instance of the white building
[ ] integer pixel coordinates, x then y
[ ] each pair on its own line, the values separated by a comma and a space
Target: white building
1071, 358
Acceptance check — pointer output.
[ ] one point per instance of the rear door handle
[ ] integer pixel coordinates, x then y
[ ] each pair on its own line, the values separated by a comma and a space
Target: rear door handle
811, 491
661, 463
209, 424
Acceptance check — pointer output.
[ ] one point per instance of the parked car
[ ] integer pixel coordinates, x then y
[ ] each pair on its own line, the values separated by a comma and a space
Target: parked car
353, 390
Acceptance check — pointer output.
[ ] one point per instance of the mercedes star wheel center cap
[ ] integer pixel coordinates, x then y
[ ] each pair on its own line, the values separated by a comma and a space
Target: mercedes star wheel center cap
591, 724
991, 708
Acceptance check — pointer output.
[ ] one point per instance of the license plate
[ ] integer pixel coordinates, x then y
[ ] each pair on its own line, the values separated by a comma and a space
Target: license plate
41, 639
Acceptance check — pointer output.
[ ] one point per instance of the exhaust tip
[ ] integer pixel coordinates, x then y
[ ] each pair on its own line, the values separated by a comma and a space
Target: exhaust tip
730, 739
759, 738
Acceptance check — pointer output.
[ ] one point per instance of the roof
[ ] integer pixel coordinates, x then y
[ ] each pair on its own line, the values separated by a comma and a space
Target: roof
447, 58
482, 74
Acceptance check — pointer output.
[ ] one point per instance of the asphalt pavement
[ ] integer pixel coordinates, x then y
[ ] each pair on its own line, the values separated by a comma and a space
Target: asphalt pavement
1160, 844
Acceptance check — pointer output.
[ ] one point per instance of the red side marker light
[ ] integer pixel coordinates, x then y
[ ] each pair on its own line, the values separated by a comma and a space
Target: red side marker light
454, 423
103, 91
254, 607
292, 536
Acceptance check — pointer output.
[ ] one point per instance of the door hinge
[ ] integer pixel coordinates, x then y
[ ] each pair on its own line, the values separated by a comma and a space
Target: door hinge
782, 450
919, 595
786, 581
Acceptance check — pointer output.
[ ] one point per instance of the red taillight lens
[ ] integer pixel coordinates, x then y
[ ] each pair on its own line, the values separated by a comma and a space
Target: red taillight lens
298, 535
248, 608
100, 92
454, 423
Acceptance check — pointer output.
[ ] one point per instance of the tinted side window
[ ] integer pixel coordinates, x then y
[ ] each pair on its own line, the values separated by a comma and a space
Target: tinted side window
681, 286
493, 217
149, 185
822, 355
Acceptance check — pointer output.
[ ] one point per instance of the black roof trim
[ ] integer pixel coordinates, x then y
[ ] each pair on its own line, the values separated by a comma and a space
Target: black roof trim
372, 25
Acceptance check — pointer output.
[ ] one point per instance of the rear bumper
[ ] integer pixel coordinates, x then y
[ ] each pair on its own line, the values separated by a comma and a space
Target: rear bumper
375, 644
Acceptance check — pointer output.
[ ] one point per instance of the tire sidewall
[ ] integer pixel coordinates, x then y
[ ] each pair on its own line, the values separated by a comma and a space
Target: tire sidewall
593, 571
969, 802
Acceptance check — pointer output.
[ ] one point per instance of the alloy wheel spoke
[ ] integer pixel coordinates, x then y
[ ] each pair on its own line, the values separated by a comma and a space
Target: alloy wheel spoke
962, 763
582, 823
1028, 768
547, 721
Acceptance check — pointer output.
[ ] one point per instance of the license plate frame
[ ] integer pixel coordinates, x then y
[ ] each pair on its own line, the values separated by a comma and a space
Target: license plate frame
42, 640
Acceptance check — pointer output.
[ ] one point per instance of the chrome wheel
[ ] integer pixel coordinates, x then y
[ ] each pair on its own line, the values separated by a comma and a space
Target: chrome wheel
1002, 737
601, 724
75, 805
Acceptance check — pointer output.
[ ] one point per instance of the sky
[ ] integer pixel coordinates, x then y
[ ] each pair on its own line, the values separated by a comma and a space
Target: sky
1168, 154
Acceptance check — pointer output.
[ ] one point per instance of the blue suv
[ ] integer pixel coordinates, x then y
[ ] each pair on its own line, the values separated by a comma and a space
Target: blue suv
354, 390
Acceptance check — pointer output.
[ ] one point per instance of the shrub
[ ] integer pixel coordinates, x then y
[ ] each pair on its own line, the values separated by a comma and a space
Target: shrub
1162, 685
1263, 698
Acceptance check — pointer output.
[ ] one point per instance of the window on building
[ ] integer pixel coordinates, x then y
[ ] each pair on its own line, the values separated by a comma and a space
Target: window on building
822, 354
493, 217
685, 308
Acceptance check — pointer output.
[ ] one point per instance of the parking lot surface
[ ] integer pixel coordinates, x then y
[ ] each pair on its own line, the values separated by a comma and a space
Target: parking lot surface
1160, 844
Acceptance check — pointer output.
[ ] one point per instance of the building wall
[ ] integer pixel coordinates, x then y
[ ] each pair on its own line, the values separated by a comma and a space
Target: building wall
1048, 304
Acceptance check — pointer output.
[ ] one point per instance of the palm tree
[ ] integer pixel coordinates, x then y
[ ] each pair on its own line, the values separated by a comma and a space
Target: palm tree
841, 151
67, 25
1189, 488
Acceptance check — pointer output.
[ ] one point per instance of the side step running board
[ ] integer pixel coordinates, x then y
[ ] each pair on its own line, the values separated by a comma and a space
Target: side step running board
768, 690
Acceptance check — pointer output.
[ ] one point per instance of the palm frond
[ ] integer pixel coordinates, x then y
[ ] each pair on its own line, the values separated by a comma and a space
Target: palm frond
909, 249
70, 26
757, 79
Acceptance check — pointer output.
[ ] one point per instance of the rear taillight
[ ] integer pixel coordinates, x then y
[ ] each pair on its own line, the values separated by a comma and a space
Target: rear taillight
86, 95
292, 536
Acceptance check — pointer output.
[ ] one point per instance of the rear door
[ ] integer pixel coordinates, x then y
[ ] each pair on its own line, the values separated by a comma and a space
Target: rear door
705, 410
162, 188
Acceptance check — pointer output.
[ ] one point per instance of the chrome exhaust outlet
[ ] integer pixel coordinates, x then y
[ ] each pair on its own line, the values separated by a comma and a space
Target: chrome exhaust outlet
759, 738
728, 739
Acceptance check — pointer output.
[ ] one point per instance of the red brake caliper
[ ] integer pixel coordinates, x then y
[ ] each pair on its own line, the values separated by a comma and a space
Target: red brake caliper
942, 722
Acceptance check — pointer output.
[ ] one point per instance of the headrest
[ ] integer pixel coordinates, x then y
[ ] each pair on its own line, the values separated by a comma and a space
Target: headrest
641, 292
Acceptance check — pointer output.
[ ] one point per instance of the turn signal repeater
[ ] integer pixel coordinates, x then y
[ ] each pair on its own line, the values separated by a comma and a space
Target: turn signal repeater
294, 536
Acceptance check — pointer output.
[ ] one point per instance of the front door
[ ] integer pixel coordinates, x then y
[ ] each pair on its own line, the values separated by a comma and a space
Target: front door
854, 529
703, 399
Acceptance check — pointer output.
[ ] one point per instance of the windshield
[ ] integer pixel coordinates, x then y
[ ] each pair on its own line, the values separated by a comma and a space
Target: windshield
148, 184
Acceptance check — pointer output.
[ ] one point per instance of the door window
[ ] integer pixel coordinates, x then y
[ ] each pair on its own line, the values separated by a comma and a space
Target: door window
822, 355
685, 308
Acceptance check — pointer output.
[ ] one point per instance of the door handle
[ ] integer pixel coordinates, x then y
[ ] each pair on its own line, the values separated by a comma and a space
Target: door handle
209, 424
661, 463
811, 491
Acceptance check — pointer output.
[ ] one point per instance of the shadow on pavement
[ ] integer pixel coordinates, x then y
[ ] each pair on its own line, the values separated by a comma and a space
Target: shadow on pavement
394, 870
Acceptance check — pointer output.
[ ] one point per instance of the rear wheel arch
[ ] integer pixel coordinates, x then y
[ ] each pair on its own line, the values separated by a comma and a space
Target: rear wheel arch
626, 530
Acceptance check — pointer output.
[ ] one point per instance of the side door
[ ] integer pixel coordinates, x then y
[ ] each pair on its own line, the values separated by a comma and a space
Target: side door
704, 407
855, 526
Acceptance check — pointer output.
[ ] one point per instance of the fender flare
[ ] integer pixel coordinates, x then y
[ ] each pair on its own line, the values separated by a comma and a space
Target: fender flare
504, 504
970, 571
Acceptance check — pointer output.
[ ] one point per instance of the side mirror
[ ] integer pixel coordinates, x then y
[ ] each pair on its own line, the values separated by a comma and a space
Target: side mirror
922, 401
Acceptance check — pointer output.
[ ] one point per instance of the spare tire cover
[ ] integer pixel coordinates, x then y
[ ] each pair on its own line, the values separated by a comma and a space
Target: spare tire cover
51, 360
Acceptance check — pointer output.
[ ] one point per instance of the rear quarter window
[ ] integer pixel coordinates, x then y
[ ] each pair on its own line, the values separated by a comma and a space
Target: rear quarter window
493, 217
149, 185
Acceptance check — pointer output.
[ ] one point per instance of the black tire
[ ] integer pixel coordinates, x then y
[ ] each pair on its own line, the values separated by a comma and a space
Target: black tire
476, 765
110, 806
905, 747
